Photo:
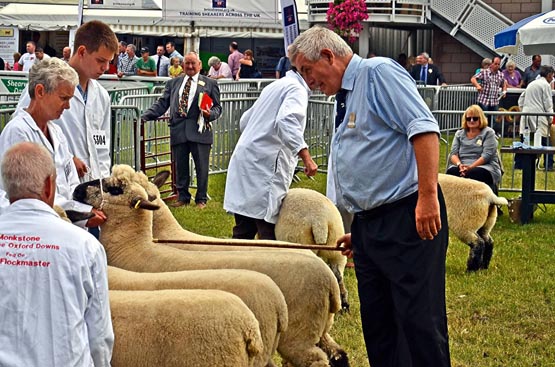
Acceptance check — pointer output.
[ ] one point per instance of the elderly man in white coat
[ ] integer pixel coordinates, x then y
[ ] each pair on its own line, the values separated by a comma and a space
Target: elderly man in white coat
264, 160
51, 85
538, 98
86, 124
55, 307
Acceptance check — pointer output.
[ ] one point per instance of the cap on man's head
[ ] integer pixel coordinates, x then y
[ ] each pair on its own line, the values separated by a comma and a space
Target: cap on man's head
144, 49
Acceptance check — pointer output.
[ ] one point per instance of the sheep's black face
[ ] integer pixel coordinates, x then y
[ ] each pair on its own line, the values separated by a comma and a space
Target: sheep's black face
89, 192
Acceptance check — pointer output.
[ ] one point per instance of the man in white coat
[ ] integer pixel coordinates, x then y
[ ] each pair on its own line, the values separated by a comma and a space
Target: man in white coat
52, 84
264, 160
55, 307
538, 98
86, 124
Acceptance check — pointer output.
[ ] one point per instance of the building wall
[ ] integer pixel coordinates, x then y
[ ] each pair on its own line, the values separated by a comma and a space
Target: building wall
456, 61
516, 9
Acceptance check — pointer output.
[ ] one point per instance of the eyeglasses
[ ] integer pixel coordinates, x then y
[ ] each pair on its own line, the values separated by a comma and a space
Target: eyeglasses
472, 118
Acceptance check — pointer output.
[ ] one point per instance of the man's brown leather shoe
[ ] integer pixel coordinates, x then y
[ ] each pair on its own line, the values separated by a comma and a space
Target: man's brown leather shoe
179, 203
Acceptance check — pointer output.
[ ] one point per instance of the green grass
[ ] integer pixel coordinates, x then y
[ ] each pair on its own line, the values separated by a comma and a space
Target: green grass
501, 317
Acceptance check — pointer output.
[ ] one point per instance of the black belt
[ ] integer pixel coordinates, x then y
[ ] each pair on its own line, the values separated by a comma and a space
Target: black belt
386, 208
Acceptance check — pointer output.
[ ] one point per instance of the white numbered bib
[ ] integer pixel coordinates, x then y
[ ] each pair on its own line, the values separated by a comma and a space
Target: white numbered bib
99, 138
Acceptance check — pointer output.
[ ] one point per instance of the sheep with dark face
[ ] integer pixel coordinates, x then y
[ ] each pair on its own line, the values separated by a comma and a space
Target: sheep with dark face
471, 214
308, 285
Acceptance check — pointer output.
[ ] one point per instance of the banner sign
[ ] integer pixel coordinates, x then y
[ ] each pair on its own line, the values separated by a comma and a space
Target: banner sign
231, 12
122, 4
9, 43
13, 85
290, 22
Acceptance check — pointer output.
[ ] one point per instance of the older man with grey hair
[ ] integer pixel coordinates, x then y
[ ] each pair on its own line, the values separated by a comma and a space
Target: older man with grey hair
56, 310
128, 65
426, 73
385, 160
218, 68
51, 86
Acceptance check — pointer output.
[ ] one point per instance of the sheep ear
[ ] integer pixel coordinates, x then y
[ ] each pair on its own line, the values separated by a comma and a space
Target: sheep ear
80, 192
140, 203
160, 179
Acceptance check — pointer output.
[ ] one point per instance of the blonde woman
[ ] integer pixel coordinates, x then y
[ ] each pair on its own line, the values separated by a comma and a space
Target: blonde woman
474, 151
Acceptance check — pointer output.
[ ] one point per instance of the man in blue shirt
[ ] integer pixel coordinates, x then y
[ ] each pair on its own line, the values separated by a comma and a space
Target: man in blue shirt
399, 234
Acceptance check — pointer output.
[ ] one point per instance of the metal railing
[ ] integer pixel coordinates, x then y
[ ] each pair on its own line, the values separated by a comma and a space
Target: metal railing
126, 136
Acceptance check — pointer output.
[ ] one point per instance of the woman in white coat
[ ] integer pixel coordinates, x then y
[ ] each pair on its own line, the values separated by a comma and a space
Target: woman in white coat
51, 86
264, 160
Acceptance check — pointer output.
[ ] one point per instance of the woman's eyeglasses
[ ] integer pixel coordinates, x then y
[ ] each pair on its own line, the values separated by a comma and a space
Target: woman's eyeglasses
472, 118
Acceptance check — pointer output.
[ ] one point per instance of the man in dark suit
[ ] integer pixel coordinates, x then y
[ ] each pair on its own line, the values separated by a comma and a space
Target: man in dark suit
425, 73
187, 136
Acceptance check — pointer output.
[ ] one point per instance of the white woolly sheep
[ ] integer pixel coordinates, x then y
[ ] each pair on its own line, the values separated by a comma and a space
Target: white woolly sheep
175, 328
262, 296
306, 217
471, 213
308, 285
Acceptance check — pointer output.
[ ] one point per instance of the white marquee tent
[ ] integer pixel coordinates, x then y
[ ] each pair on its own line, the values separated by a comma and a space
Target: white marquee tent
63, 15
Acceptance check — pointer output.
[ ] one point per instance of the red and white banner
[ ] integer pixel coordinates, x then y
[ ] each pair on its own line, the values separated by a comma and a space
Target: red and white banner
232, 12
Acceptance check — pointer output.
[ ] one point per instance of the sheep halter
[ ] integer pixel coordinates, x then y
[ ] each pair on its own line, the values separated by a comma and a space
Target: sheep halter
268, 244
101, 194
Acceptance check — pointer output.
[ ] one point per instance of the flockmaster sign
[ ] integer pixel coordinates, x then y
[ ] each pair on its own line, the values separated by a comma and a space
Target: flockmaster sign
230, 11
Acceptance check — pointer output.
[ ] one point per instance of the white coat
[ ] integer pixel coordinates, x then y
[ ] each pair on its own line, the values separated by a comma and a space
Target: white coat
264, 160
23, 128
87, 128
55, 308
536, 98
4, 202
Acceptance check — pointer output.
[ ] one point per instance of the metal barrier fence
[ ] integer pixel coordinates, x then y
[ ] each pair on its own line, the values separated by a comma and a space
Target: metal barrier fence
126, 136
5, 115
141, 101
4, 97
117, 94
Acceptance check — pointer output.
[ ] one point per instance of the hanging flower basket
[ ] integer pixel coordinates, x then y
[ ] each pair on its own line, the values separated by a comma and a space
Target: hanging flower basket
345, 18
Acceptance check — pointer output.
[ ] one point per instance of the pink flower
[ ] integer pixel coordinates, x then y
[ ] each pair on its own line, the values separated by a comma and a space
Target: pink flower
345, 18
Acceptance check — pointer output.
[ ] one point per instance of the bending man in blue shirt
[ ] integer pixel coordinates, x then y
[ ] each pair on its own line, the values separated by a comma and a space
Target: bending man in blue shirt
399, 234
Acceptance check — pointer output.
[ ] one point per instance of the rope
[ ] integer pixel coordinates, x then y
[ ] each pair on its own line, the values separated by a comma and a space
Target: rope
268, 244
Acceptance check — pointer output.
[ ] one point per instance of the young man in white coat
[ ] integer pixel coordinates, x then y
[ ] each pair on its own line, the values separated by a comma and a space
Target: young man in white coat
264, 160
55, 311
86, 124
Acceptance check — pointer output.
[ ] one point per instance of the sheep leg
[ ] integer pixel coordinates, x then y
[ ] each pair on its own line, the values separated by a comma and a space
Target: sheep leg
313, 357
337, 356
475, 256
488, 252
342, 289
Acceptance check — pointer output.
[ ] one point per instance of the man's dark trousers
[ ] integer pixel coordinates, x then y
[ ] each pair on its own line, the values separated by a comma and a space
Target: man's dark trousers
401, 284
201, 157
